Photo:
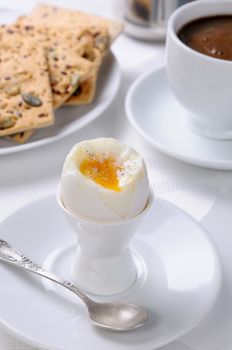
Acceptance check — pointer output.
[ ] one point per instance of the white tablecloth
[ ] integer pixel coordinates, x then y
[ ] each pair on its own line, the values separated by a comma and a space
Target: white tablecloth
205, 194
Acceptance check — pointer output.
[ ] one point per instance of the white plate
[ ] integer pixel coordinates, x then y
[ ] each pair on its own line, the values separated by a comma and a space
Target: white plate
69, 119
155, 113
178, 281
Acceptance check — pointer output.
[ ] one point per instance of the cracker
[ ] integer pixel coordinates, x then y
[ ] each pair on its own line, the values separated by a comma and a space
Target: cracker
86, 90
66, 67
25, 94
21, 137
45, 13
81, 60
81, 50
94, 32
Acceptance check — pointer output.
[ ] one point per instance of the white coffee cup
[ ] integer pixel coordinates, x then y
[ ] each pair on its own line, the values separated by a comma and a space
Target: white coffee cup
202, 84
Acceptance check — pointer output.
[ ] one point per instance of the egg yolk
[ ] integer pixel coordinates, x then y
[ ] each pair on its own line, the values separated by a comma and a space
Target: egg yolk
103, 171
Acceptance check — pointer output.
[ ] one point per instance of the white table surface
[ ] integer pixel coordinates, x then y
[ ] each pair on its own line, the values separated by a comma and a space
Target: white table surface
205, 194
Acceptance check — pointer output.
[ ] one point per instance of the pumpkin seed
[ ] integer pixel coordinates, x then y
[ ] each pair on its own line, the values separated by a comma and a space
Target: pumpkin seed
54, 80
102, 42
23, 72
86, 39
89, 54
75, 80
7, 122
31, 99
12, 89
23, 76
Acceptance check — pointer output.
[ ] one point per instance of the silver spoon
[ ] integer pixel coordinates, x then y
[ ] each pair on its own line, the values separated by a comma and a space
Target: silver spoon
111, 316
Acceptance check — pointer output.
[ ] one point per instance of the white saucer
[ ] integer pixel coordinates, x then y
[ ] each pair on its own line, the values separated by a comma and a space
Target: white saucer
154, 112
179, 279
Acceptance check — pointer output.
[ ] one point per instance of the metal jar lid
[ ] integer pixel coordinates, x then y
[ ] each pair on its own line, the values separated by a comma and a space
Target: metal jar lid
147, 19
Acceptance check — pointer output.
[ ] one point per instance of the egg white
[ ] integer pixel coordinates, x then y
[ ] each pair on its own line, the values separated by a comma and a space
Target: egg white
89, 199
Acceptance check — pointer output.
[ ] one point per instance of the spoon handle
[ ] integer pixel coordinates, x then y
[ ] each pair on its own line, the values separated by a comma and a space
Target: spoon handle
12, 256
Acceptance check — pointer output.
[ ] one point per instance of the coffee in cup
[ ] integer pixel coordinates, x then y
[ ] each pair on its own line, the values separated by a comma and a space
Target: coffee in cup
211, 36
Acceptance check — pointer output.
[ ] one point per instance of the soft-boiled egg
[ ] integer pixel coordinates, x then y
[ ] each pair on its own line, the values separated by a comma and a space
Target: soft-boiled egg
104, 179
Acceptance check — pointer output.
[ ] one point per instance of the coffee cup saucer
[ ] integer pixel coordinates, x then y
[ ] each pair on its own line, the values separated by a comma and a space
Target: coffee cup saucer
178, 280
155, 113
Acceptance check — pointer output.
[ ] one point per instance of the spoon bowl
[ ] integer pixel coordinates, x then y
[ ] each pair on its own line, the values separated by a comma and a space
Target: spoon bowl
117, 316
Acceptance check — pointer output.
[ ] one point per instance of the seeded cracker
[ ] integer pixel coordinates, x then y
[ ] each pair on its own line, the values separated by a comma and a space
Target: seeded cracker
67, 68
81, 70
58, 16
21, 137
25, 94
95, 32
73, 61
69, 55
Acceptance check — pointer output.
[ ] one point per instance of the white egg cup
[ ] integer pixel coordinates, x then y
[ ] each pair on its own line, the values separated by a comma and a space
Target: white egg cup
103, 264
